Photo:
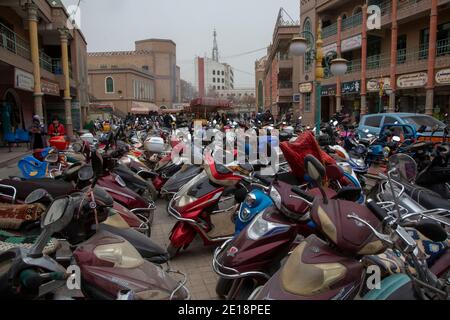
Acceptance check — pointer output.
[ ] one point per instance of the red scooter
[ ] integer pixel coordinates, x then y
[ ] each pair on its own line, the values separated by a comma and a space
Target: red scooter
205, 206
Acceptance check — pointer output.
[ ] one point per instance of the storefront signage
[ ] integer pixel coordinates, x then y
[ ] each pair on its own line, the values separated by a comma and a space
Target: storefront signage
329, 90
296, 98
351, 87
373, 85
305, 87
351, 43
443, 76
413, 80
331, 47
49, 88
23, 80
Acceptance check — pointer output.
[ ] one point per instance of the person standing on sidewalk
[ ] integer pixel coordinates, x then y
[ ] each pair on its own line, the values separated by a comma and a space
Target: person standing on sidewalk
37, 132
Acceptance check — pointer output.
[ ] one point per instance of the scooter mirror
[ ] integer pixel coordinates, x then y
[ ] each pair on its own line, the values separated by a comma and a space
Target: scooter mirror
77, 147
55, 212
86, 173
51, 158
38, 196
405, 166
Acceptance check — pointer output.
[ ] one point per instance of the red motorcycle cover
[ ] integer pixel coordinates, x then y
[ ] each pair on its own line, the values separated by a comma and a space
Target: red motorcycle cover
295, 153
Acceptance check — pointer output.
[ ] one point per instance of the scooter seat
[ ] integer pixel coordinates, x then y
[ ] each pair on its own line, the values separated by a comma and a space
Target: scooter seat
56, 188
9, 241
426, 198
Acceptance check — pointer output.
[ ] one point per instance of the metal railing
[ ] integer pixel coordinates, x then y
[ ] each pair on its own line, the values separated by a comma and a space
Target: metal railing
378, 61
443, 47
58, 69
12, 42
351, 22
45, 61
354, 66
285, 84
329, 31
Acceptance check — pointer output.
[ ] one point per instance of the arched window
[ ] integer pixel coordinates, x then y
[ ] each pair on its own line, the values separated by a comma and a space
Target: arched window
109, 85
307, 26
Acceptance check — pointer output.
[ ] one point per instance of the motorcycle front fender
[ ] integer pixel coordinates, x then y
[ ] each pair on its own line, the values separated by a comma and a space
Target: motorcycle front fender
182, 235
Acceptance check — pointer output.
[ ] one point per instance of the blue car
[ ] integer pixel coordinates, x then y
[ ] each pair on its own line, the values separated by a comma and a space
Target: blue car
372, 123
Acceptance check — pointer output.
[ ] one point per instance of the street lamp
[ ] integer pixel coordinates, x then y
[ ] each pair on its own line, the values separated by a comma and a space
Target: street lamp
303, 45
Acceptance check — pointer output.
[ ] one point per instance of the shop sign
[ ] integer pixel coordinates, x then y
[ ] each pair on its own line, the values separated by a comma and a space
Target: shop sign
351, 87
296, 98
49, 88
23, 80
443, 76
305, 87
329, 48
412, 80
373, 85
329, 90
351, 43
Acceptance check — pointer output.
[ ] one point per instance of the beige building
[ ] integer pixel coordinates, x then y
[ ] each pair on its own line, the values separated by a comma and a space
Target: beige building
409, 56
279, 72
146, 79
43, 67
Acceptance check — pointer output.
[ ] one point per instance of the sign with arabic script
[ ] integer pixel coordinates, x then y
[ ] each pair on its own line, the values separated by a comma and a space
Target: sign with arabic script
351, 87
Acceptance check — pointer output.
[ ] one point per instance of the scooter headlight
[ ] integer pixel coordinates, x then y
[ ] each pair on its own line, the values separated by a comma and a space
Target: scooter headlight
276, 197
122, 254
261, 227
250, 200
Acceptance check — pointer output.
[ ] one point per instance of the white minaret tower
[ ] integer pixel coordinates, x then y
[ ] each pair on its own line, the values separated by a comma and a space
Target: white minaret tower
215, 52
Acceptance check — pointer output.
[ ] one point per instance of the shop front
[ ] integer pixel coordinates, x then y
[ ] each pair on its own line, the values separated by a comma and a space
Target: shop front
377, 97
411, 93
351, 99
442, 95
328, 101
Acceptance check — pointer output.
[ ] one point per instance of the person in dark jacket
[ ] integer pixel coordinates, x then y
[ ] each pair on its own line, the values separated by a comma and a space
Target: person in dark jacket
38, 133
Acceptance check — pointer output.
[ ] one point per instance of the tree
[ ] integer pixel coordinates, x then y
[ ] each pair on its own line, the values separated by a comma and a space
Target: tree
188, 91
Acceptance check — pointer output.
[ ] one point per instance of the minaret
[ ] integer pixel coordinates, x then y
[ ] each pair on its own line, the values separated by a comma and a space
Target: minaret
215, 53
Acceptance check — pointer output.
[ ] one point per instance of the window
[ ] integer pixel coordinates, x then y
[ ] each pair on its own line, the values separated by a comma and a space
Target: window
223, 80
373, 121
223, 88
424, 39
103, 66
308, 61
401, 49
214, 72
223, 73
307, 102
390, 120
214, 87
109, 84
145, 67
214, 80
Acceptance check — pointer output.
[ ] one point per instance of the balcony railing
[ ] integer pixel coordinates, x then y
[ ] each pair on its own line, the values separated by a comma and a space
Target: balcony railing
329, 31
354, 66
378, 61
45, 61
284, 84
351, 22
14, 43
58, 69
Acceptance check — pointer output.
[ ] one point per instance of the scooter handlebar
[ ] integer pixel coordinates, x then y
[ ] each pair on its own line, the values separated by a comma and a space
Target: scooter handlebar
262, 179
301, 193
378, 211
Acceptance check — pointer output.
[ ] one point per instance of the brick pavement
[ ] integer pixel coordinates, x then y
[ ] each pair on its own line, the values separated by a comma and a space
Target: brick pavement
195, 261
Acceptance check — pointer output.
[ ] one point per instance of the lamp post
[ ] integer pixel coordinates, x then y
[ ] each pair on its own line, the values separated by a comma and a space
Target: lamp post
303, 45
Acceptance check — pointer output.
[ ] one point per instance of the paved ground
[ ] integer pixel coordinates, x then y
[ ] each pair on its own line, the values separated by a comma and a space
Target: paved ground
195, 261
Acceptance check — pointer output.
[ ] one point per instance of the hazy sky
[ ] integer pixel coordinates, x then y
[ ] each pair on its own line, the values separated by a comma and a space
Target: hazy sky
242, 26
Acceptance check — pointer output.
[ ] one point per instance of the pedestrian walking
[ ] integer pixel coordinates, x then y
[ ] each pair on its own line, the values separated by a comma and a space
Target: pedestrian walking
38, 133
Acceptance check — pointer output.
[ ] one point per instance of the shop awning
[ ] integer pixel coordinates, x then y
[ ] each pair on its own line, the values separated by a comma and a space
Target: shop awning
143, 107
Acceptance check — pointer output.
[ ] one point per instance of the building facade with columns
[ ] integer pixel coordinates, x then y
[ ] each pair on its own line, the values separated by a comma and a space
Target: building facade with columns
402, 67
43, 65
279, 72
146, 78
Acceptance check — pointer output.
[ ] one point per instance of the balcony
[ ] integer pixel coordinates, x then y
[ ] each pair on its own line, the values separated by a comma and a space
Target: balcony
12, 42
285, 88
285, 61
352, 22
329, 31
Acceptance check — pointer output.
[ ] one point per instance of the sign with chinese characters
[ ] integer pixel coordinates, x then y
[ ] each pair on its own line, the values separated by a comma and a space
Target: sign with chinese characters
373, 85
351, 43
329, 90
49, 88
23, 80
443, 76
305, 87
413, 80
351, 87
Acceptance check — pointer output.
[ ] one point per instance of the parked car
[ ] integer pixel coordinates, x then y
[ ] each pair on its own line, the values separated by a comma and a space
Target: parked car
372, 124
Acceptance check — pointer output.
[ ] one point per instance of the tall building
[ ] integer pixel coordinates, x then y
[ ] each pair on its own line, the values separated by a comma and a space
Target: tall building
43, 65
211, 75
277, 74
410, 55
146, 79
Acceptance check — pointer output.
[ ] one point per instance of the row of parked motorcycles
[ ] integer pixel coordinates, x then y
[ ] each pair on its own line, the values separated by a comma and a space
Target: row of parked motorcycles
338, 208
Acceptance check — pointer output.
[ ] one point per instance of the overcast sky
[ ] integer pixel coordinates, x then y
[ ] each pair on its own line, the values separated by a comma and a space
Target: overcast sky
242, 26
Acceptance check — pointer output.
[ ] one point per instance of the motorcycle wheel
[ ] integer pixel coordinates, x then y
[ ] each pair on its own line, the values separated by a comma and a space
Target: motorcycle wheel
223, 286
172, 251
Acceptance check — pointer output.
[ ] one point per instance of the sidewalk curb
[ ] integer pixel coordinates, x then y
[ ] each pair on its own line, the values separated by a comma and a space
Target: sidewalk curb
8, 162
